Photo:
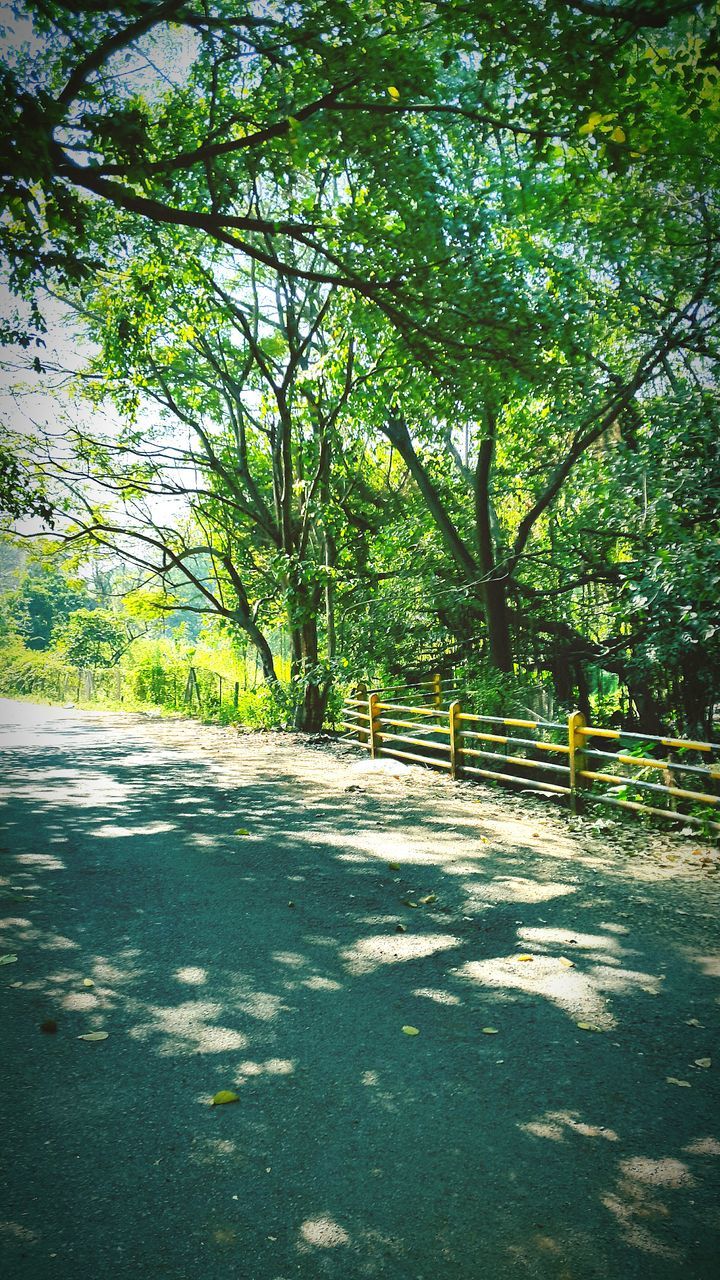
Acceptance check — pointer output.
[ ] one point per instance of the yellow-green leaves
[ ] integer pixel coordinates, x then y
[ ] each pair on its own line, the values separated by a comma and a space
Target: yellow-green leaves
94, 1035
490, 1031
599, 123
411, 1031
681, 1084
393, 93
8, 959
241, 831
223, 1097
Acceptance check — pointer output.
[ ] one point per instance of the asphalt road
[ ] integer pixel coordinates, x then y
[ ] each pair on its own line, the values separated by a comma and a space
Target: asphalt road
271, 964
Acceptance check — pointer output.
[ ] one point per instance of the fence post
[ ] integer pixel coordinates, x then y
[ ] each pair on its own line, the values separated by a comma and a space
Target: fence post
455, 741
220, 685
576, 757
361, 692
236, 694
437, 689
375, 739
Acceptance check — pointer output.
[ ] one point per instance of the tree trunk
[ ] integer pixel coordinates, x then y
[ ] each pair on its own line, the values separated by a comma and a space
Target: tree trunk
310, 707
498, 624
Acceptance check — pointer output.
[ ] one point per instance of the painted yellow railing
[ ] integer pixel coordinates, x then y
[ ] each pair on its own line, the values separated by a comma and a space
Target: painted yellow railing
440, 734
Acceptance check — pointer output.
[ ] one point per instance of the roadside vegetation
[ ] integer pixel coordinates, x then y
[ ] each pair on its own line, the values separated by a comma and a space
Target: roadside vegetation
352, 340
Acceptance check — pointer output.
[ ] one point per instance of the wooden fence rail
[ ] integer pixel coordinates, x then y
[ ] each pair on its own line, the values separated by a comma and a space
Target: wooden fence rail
444, 736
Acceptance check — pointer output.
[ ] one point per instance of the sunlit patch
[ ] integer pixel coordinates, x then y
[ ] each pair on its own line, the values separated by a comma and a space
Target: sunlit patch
193, 977
290, 958
440, 997
103, 971
567, 937
40, 861
703, 1147
57, 942
369, 953
323, 1233
200, 840
111, 832
225, 1236
657, 1173
189, 1028
520, 889
212, 1148
262, 1005
555, 1125
573, 992
708, 964
80, 1001
634, 1202
318, 983
16, 1231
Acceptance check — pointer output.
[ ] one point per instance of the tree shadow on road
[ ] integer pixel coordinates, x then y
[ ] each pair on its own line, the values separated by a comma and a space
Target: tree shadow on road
528, 1129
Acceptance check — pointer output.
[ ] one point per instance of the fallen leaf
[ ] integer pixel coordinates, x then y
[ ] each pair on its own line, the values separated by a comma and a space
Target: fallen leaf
241, 831
411, 1031
682, 1084
430, 897
693, 1022
524, 957
587, 1026
400, 928
703, 1062
408, 903
394, 93
225, 1095
94, 1035
8, 959
490, 1031
88, 982
567, 964
394, 866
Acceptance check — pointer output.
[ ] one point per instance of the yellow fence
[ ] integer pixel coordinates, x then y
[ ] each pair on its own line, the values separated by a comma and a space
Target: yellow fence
559, 757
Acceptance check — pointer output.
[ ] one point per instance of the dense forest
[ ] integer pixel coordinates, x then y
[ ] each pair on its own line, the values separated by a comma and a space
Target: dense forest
364, 339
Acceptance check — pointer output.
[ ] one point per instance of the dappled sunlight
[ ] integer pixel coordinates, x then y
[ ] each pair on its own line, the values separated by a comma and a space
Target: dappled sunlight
213, 1151
369, 954
40, 861
322, 1232
558, 1126
576, 994
707, 963
702, 1147
318, 983
110, 831
273, 1067
636, 1204
491, 1118
439, 997
187, 1029
191, 975
546, 937
519, 889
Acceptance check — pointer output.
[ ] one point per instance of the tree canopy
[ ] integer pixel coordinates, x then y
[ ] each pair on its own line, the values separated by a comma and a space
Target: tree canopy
407, 315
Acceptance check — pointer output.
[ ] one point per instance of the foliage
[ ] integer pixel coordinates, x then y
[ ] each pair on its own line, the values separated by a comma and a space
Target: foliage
406, 317
92, 638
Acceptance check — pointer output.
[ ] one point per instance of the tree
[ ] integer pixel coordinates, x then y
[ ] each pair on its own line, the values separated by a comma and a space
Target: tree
93, 638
